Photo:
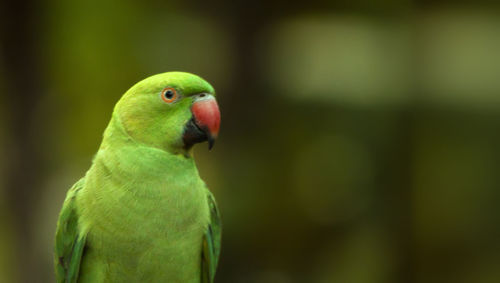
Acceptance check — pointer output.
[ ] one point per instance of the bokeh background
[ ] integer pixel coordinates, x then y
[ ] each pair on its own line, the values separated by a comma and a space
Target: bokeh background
359, 139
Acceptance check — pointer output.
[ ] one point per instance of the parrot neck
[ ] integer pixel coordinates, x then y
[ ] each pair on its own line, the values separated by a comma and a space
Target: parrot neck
116, 135
136, 165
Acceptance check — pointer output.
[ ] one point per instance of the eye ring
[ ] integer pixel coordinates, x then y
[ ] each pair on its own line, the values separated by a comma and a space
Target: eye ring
169, 94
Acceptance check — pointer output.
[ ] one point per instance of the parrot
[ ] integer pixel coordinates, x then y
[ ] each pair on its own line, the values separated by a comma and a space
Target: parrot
141, 213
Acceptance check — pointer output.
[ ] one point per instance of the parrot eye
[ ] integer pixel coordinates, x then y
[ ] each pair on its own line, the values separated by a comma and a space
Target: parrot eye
169, 94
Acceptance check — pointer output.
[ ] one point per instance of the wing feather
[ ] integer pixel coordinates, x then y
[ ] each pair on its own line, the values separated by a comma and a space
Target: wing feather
70, 241
211, 242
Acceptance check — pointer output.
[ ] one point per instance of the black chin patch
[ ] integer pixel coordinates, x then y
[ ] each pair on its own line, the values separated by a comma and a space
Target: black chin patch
193, 134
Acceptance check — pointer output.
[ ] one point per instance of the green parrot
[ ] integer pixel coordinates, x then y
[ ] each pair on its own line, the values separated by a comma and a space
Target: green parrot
142, 213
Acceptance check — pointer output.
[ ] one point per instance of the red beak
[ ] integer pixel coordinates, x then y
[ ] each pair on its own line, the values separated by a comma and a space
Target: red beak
206, 115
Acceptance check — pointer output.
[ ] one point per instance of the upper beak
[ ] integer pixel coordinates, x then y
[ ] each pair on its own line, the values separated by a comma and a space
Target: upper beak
206, 116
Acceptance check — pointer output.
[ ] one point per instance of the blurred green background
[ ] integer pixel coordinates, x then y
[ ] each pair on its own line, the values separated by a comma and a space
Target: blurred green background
359, 139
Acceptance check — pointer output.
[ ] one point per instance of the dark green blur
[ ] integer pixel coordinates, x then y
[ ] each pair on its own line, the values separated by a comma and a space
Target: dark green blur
359, 139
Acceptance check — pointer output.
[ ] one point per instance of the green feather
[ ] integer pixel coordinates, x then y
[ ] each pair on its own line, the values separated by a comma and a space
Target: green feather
70, 240
211, 242
141, 213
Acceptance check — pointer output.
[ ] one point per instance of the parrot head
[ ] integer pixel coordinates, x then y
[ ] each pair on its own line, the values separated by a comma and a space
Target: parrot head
172, 111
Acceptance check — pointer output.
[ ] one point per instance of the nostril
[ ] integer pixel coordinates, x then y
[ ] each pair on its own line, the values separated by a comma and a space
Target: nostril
202, 95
